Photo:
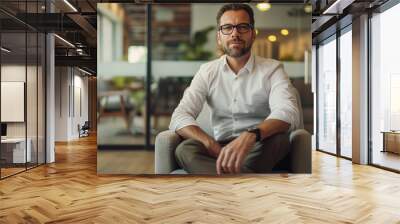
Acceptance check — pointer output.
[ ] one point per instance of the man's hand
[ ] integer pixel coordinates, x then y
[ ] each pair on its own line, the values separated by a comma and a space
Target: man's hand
194, 132
231, 158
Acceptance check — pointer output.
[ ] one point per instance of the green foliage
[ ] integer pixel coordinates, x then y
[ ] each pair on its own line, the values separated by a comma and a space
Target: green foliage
123, 82
194, 50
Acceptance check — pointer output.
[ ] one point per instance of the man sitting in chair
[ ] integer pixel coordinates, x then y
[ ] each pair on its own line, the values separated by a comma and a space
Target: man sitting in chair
252, 101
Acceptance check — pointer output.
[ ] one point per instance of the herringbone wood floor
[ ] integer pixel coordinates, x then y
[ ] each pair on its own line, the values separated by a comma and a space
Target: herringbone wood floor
69, 191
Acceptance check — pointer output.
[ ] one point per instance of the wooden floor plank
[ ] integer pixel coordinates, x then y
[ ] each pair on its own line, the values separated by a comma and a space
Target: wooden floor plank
70, 191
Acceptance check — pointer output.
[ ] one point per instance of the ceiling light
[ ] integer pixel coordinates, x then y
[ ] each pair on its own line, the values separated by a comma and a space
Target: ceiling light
5, 50
308, 8
272, 38
284, 32
65, 41
70, 5
263, 6
84, 71
337, 7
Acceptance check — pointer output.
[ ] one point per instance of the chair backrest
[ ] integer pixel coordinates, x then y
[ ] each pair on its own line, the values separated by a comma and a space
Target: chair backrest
204, 118
86, 125
299, 105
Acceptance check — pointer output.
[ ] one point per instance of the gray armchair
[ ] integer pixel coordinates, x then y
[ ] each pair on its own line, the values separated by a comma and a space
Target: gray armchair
297, 161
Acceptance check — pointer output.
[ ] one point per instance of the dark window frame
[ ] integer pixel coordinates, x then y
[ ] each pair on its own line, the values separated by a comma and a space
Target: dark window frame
332, 37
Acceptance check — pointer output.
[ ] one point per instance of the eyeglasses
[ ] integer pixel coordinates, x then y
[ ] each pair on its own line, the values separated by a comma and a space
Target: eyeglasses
227, 29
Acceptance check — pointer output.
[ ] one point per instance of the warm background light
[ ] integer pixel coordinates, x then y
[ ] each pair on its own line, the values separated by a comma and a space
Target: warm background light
263, 6
272, 38
284, 32
308, 8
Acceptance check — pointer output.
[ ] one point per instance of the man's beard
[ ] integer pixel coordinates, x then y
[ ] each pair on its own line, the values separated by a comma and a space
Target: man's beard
234, 52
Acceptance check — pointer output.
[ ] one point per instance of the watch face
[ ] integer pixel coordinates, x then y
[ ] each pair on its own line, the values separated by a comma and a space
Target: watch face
252, 129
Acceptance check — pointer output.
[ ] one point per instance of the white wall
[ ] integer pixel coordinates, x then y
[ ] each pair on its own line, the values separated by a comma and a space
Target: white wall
13, 72
61, 103
79, 117
12, 101
16, 73
33, 126
70, 83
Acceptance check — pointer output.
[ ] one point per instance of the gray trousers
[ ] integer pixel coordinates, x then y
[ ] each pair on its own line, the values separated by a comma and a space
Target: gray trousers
191, 155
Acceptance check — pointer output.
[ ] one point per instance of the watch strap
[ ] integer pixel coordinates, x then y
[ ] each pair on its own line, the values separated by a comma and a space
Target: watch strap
256, 131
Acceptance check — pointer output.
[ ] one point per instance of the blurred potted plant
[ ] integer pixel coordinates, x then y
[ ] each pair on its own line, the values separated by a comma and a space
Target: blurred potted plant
194, 50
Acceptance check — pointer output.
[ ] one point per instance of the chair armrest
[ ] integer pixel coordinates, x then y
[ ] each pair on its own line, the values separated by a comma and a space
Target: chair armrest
165, 145
300, 154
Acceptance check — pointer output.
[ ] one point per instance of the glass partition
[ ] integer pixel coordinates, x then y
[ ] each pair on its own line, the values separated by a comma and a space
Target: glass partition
31, 98
22, 87
327, 96
121, 73
182, 39
15, 152
385, 89
41, 97
346, 93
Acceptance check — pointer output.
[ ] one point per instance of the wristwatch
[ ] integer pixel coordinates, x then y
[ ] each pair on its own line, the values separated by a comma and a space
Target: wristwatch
256, 131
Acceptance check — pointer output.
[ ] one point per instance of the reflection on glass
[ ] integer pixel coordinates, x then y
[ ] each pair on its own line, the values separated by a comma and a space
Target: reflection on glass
327, 97
15, 149
41, 150
182, 39
385, 114
122, 56
22, 90
31, 97
346, 94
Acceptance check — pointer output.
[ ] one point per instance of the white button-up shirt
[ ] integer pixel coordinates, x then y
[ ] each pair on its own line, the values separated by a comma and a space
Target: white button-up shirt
260, 90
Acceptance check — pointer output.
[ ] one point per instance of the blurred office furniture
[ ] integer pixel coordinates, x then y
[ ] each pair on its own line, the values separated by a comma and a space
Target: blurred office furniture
115, 98
297, 161
84, 129
116, 103
3, 130
13, 151
391, 141
307, 100
167, 95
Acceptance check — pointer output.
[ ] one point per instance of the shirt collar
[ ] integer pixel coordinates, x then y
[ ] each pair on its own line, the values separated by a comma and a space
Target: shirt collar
250, 63
248, 66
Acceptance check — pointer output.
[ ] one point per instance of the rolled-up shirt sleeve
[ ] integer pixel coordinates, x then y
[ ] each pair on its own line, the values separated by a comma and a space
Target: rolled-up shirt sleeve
282, 99
191, 104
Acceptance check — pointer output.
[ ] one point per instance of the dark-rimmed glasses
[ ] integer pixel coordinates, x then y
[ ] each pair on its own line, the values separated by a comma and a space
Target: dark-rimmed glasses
241, 28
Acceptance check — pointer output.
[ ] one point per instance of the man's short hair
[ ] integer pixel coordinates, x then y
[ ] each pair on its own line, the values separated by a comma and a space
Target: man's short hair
236, 7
